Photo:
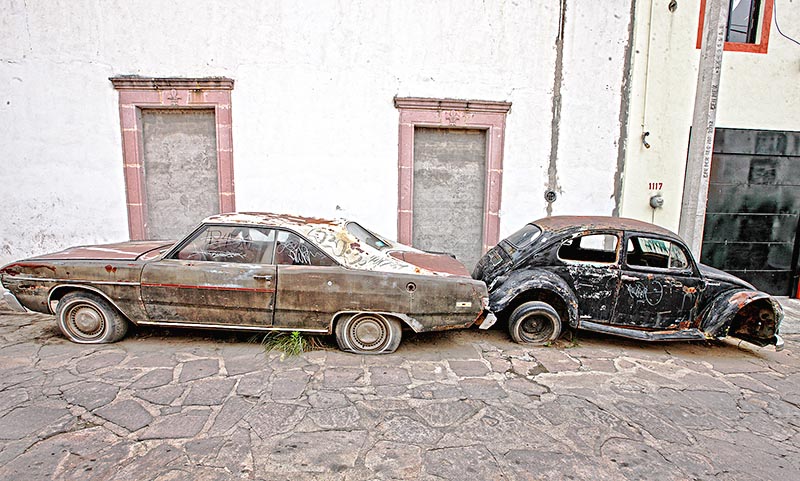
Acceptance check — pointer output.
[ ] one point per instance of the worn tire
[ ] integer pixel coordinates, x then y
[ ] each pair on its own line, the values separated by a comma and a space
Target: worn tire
368, 333
87, 318
534, 323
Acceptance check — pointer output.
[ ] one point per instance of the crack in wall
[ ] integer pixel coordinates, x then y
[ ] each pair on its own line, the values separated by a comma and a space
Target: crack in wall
552, 169
624, 113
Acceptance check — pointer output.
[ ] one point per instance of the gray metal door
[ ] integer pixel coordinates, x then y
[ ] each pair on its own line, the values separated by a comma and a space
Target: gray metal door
180, 170
753, 207
449, 192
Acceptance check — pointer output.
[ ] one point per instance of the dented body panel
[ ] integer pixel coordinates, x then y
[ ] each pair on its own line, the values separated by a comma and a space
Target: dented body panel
176, 284
632, 279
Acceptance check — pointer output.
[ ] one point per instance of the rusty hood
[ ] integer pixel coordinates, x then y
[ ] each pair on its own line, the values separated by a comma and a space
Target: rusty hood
119, 251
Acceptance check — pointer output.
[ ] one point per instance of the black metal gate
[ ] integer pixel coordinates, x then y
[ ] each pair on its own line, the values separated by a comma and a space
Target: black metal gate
751, 227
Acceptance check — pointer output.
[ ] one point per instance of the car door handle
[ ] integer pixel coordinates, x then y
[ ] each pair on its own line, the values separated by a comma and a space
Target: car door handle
629, 278
266, 277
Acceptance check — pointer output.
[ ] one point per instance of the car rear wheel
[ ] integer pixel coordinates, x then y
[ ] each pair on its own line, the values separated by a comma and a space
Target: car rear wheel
87, 318
368, 333
535, 323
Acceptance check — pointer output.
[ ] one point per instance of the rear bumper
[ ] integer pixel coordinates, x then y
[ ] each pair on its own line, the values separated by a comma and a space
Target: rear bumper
486, 320
12, 302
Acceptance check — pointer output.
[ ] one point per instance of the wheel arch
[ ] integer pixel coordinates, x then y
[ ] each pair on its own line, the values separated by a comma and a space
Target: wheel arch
535, 285
415, 325
718, 318
61, 290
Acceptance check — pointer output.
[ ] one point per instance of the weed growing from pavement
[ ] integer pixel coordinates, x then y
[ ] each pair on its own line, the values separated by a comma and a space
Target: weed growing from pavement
291, 343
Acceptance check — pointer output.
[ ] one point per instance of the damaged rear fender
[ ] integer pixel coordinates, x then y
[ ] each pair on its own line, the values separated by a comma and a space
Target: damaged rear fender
532, 283
745, 314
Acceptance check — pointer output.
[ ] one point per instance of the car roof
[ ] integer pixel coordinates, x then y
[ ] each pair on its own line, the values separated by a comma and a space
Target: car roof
567, 224
271, 219
331, 236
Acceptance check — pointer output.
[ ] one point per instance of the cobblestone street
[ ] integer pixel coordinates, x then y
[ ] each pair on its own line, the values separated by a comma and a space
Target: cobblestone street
181, 404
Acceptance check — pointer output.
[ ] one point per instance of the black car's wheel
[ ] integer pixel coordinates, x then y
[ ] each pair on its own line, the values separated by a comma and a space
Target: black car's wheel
368, 333
87, 318
534, 323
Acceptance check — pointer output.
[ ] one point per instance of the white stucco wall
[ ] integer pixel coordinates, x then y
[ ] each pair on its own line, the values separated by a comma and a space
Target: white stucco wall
314, 126
757, 91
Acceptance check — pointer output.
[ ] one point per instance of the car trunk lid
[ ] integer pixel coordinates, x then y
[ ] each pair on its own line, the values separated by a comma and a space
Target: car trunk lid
117, 251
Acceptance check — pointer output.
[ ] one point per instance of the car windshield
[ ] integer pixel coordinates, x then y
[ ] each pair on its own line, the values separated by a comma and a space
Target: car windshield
370, 238
524, 236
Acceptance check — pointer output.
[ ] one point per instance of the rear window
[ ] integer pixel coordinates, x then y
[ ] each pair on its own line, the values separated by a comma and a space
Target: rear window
368, 237
524, 236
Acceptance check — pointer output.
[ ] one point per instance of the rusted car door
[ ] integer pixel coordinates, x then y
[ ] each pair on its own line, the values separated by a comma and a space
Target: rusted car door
590, 264
221, 275
659, 285
310, 285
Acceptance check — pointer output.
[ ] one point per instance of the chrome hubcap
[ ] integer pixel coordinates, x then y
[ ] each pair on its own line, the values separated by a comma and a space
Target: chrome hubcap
368, 333
87, 321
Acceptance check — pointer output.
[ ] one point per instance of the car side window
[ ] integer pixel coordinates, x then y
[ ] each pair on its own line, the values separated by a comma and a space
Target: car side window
660, 253
595, 248
291, 249
240, 244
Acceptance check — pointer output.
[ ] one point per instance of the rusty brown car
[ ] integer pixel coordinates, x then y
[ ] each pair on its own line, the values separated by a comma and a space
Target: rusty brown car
253, 271
618, 276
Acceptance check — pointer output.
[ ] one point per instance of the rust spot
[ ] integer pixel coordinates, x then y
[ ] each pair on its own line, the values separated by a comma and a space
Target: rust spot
689, 290
740, 298
17, 267
110, 268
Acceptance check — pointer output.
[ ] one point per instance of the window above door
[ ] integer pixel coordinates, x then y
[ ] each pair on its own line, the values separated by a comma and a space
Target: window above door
749, 23
137, 93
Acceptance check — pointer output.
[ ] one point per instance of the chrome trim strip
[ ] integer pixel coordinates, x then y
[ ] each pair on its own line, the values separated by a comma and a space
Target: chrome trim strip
228, 327
71, 281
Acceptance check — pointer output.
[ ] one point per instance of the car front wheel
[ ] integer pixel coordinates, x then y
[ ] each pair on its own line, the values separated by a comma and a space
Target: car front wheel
87, 318
535, 323
368, 333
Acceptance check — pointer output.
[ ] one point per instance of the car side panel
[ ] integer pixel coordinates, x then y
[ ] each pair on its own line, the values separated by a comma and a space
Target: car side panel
309, 296
35, 284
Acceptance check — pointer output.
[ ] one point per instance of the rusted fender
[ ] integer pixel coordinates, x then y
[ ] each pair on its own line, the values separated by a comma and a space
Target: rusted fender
505, 289
717, 317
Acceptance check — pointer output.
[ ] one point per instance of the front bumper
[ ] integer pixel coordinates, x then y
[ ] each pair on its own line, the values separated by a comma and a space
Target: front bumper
12, 302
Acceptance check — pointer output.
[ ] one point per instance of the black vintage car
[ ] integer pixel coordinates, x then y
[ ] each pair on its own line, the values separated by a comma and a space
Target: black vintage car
618, 276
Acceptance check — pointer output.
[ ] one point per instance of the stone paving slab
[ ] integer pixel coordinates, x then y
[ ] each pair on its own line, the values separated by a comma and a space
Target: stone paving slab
183, 404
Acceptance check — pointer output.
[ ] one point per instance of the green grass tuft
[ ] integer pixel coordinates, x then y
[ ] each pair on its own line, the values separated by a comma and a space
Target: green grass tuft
291, 343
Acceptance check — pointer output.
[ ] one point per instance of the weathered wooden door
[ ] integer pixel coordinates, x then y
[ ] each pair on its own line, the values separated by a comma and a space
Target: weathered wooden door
449, 191
180, 170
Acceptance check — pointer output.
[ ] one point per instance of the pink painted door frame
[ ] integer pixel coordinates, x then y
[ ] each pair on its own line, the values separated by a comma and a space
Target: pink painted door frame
451, 114
136, 93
